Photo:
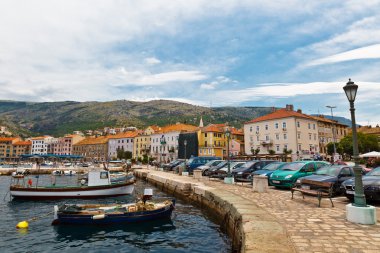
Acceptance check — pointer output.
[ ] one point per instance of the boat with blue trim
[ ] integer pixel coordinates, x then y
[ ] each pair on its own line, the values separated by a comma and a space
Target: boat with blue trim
99, 214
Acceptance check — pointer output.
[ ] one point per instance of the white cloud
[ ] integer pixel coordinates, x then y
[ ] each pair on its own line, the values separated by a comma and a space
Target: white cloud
152, 61
370, 52
208, 86
368, 90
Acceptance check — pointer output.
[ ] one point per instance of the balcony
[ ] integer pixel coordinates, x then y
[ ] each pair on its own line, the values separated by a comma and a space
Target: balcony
267, 143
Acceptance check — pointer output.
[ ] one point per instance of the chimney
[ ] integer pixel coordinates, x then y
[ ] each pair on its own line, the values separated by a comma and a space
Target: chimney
289, 107
299, 110
273, 109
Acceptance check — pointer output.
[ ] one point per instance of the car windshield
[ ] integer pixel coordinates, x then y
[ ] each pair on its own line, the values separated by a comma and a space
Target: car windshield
248, 164
292, 166
374, 172
328, 171
190, 161
237, 165
220, 165
273, 166
212, 163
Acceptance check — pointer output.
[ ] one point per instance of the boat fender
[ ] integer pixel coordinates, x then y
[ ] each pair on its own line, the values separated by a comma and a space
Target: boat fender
30, 182
55, 212
22, 224
98, 217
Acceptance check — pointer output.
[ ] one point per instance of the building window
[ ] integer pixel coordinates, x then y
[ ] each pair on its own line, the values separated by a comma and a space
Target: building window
277, 147
250, 129
299, 147
266, 127
298, 135
314, 126
277, 136
251, 138
257, 137
286, 146
308, 125
298, 124
257, 128
285, 136
267, 137
205, 134
276, 125
283, 124
315, 137
309, 136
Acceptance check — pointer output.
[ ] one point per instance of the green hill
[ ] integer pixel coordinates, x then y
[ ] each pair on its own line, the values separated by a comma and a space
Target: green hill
58, 118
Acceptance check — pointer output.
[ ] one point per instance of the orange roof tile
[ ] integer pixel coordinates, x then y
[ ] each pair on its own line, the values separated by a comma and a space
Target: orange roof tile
155, 128
22, 143
236, 131
178, 127
326, 120
40, 137
124, 135
7, 138
93, 141
280, 114
212, 128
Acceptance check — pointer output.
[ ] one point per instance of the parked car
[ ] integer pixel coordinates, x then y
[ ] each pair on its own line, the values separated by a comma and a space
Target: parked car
172, 164
336, 174
244, 173
287, 175
213, 168
208, 165
195, 162
268, 169
371, 185
180, 165
223, 171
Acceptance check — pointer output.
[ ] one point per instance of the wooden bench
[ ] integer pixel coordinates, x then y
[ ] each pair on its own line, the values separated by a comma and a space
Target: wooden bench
320, 190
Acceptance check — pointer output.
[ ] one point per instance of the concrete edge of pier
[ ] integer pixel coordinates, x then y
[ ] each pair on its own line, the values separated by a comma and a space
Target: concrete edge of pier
250, 227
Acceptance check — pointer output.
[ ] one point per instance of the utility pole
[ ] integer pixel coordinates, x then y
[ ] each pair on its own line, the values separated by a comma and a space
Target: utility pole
333, 130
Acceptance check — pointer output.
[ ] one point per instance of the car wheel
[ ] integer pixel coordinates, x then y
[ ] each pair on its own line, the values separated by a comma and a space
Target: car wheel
205, 172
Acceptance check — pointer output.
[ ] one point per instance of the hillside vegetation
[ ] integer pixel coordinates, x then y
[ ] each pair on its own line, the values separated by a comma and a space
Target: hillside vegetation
58, 118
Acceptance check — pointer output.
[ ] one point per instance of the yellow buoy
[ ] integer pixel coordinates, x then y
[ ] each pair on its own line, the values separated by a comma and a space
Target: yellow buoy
22, 224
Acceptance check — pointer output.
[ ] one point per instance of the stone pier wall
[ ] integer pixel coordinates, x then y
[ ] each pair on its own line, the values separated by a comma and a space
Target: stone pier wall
250, 228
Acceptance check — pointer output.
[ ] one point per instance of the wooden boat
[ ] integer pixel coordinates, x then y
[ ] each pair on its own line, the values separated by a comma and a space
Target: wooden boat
112, 214
98, 184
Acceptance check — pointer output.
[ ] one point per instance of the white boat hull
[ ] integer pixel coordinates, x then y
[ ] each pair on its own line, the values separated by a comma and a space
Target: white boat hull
83, 192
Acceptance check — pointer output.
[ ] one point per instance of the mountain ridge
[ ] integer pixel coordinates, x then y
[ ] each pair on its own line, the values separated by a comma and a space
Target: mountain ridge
58, 118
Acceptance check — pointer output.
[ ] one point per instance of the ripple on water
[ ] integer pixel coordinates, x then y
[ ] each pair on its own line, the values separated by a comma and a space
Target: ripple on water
188, 231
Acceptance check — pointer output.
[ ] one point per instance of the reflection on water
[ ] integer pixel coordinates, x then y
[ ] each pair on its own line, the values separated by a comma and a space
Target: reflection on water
189, 230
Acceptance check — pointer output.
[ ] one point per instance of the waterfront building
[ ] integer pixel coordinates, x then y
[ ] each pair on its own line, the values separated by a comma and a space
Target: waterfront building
22, 148
283, 129
326, 130
213, 142
122, 141
92, 148
40, 145
375, 131
6, 147
64, 145
164, 143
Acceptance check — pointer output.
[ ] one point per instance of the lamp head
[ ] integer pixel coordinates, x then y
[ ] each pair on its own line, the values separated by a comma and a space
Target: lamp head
185, 142
350, 89
228, 133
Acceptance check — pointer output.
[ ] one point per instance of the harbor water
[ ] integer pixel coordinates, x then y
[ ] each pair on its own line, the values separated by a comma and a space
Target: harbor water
190, 229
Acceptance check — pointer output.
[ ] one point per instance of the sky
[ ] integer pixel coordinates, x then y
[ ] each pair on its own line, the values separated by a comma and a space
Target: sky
203, 52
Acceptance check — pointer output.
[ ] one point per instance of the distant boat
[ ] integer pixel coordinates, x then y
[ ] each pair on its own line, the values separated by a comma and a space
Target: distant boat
112, 214
97, 184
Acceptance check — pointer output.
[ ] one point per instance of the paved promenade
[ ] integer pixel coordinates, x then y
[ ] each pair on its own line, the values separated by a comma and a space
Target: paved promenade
306, 227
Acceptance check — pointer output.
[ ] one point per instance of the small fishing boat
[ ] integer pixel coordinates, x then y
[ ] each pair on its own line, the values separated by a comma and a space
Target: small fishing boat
112, 214
97, 184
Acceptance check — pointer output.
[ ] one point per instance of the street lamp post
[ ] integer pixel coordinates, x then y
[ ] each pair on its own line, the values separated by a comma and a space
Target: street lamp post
333, 130
229, 179
359, 211
185, 143
359, 199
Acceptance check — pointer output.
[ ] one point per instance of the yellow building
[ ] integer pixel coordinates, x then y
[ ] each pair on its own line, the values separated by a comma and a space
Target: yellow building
211, 141
6, 147
142, 142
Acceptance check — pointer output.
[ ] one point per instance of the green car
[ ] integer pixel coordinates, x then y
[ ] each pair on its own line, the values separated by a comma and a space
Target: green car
287, 175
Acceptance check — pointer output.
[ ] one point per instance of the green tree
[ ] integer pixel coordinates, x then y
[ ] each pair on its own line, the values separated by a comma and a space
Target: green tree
271, 152
330, 148
366, 143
